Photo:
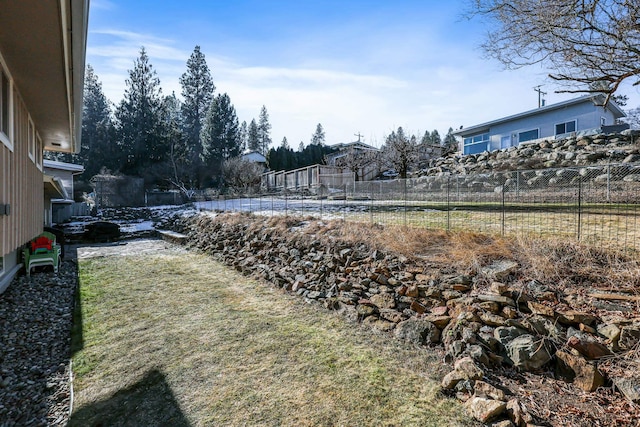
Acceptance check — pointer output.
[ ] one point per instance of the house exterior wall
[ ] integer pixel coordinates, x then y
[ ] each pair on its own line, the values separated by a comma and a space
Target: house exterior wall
21, 187
66, 178
586, 115
578, 117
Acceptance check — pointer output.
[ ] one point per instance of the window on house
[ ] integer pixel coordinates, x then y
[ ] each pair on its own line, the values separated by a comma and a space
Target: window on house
528, 135
32, 141
476, 144
38, 152
5, 109
566, 127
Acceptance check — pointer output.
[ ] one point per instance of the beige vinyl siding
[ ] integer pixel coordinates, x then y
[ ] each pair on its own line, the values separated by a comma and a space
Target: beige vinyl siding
21, 185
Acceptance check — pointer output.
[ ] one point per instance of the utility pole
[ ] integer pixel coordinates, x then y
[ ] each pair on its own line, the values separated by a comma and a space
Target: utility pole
540, 95
358, 135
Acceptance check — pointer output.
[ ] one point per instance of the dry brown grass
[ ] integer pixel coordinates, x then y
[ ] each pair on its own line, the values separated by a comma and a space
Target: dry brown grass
184, 332
552, 260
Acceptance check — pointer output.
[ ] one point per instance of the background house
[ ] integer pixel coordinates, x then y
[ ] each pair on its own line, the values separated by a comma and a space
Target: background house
255, 157
357, 157
62, 208
42, 62
580, 115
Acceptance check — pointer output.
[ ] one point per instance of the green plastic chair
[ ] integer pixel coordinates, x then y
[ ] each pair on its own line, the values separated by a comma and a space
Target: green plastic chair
43, 250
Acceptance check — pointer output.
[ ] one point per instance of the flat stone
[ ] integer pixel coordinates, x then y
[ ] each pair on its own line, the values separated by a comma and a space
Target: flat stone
365, 310
490, 306
609, 331
440, 310
572, 317
484, 389
629, 337
578, 370
384, 300
492, 319
541, 309
500, 270
483, 409
506, 334
588, 346
412, 291
418, 331
441, 322
497, 298
498, 288
417, 307
630, 387
464, 369
391, 315
528, 352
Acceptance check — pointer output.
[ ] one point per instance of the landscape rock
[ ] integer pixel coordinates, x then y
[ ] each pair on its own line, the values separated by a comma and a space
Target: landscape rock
587, 345
528, 352
630, 387
576, 369
500, 270
484, 389
506, 334
464, 369
418, 331
483, 409
385, 300
629, 337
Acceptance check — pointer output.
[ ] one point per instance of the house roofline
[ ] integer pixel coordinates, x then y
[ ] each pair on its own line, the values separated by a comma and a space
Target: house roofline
595, 99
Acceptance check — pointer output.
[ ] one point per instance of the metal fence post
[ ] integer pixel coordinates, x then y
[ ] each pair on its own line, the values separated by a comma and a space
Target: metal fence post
579, 207
404, 182
371, 204
344, 209
448, 203
503, 209
609, 182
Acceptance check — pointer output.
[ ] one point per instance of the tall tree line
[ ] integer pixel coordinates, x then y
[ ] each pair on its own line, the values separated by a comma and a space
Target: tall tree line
167, 141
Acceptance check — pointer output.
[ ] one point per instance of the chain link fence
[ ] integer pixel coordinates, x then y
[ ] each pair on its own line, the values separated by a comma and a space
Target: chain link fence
595, 204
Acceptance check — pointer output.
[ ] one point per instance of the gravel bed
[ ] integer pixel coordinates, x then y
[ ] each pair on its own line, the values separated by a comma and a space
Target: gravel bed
35, 345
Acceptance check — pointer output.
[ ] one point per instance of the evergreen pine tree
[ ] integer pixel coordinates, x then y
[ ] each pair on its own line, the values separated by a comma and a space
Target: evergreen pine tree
450, 142
285, 143
426, 138
97, 148
139, 121
253, 137
435, 137
243, 135
318, 136
264, 130
220, 133
197, 91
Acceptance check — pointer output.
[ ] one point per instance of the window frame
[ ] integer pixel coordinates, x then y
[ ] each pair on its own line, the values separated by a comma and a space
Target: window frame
536, 130
7, 138
31, 135
476, 140
39, 154
575, 127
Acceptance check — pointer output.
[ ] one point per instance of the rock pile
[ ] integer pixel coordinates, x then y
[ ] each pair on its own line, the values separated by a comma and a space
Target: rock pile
35, 335
546, 154
484, 320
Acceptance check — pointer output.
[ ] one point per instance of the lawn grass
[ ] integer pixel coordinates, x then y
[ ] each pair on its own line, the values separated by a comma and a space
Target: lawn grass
178, 339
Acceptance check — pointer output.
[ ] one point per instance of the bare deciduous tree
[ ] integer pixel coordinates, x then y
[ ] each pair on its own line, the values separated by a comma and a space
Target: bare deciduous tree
582, 41
359, 160
401, 151
241, 175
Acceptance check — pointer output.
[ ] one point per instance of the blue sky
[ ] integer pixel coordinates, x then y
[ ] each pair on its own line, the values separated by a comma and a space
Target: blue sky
354, 66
